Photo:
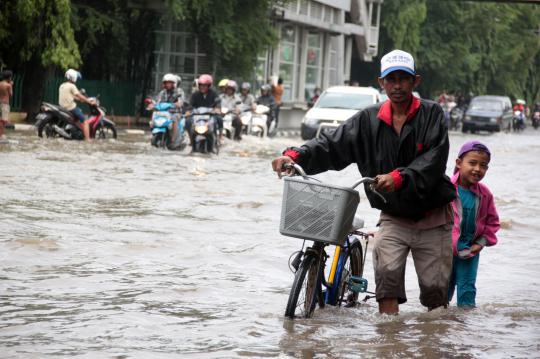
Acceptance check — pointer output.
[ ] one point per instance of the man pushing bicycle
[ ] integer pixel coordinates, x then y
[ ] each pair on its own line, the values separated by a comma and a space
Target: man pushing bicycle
403, 143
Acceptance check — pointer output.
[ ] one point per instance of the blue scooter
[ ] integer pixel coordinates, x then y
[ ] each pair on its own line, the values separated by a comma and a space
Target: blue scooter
162, 125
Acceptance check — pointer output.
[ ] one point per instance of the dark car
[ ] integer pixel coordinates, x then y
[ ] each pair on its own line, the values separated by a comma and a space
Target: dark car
488, 113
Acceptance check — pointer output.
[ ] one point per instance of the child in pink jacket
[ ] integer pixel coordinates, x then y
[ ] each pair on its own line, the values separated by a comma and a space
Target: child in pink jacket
475, 220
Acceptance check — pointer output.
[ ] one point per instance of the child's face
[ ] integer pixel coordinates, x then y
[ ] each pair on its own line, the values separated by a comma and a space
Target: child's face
472, 167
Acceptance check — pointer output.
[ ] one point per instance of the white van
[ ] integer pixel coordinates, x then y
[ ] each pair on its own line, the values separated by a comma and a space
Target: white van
336, 105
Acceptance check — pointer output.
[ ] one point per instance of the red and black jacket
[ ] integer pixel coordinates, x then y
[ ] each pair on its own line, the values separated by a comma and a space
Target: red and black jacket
416, 158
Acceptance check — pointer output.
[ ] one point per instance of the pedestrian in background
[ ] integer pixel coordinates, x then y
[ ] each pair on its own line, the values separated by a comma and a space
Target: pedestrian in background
475, 220
6, 92
277, 92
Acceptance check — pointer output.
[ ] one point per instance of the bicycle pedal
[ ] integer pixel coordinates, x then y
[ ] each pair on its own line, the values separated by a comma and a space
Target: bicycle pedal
358, 284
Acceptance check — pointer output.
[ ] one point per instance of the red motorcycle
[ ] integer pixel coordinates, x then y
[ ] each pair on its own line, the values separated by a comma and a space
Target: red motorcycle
55, 121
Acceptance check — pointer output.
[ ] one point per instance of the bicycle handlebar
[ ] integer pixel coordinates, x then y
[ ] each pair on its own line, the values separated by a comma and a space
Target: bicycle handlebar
369, 180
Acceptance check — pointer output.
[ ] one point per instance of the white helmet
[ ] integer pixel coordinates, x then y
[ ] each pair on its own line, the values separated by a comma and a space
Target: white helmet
73, 75
170, 78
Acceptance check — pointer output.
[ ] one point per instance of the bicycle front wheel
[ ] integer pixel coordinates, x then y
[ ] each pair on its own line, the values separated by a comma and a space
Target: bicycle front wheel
353, 266
303, 295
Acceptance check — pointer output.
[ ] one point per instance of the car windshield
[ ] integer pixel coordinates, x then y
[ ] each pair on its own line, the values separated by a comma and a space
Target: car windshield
486, 105
353, 101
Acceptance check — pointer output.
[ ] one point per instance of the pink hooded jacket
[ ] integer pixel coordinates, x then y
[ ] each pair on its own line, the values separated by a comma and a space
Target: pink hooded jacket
487, 219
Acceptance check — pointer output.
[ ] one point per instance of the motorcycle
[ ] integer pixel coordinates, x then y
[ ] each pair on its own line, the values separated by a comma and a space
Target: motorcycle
536, 119
162, 124
228, 117
259, 122
456, 116
204, 132
55, 121
265, 113
518, 121
253, 122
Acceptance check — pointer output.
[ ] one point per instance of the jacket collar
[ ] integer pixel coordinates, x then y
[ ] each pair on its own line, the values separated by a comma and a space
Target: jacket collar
385, 112
475, 188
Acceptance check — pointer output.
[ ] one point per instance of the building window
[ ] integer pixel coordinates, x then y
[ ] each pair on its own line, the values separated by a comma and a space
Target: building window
287, 60
314, 63
176, 52
261, 72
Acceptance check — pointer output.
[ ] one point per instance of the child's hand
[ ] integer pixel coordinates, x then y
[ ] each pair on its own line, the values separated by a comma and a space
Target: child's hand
476, 248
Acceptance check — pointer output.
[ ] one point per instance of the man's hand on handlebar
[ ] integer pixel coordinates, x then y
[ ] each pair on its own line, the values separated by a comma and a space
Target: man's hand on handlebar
384, 183
279, 165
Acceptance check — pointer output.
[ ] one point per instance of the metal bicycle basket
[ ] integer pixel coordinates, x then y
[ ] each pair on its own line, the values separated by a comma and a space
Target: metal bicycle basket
317, 211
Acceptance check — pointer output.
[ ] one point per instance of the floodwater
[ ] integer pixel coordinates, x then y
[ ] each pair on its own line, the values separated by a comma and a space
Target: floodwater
120, 250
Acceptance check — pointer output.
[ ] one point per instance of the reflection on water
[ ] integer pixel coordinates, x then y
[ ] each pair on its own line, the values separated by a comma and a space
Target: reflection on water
121, 250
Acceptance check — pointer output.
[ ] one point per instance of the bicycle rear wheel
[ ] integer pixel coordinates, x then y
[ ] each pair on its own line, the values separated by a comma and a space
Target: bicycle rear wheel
353, 266
304, 292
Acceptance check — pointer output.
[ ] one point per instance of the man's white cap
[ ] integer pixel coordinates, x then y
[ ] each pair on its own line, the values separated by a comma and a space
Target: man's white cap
397, 60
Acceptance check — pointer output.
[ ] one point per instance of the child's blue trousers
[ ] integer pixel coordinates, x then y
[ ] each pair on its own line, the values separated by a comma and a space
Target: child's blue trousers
463, 277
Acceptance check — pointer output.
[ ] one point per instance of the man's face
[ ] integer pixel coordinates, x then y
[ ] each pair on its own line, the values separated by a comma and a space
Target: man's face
203, 88
399, 85
229, 91
168, 85
472, 167
244, 92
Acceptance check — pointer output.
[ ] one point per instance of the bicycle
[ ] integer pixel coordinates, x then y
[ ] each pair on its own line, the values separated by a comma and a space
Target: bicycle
324, 213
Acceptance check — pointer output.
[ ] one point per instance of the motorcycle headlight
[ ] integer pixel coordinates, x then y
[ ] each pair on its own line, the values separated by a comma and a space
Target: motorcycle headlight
311, 121
201, 129
467, 118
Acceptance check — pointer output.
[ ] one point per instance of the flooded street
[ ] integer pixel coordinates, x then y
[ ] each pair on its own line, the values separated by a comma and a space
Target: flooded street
120, 250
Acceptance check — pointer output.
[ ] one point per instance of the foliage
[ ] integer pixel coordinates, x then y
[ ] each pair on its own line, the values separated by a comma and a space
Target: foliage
234, 31
115, 40
401, 24
38, 29
470, 47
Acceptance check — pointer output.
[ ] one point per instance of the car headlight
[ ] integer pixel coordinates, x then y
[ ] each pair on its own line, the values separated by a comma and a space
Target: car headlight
493, 120
467, 118
311, 121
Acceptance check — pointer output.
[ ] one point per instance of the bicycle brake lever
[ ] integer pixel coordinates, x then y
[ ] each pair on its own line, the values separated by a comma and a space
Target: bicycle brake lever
377, 193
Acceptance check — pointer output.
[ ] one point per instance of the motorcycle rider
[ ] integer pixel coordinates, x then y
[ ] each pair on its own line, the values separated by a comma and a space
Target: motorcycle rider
248, 100
68, 93
519, 106
170, 94
205, 96
179, 89
231, 101
222, 84
267, 99
536, 115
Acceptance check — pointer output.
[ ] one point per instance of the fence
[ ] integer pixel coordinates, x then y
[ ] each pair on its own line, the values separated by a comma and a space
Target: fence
119, 98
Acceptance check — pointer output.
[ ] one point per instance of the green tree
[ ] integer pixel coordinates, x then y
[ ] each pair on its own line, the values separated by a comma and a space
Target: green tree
233, 31
35, 36
466, 46
400, 25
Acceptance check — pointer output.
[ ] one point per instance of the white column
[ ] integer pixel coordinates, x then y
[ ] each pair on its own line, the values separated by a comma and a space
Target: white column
341, 61
300, 80
326, 61
347, 59
274, 67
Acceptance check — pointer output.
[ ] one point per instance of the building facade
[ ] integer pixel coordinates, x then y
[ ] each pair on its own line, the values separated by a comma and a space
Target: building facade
317, 40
